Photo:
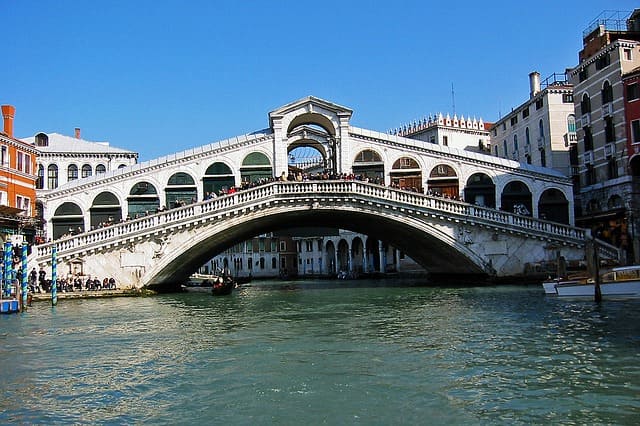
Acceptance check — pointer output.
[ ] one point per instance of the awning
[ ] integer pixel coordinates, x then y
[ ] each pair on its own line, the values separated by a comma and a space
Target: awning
6, 210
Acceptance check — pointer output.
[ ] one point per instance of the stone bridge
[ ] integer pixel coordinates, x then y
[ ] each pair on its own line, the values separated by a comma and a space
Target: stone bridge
444, 236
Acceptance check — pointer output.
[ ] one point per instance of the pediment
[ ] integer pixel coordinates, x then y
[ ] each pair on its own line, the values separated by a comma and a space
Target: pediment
309, 105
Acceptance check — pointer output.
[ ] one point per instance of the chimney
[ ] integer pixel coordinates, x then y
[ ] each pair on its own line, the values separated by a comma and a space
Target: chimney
8, 111
534, 83
77, 132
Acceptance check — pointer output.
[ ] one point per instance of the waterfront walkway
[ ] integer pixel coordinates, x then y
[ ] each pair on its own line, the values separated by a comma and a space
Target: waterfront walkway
84, 294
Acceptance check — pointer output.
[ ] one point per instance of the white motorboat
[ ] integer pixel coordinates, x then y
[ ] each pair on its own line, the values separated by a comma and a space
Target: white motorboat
200, 283
620, 282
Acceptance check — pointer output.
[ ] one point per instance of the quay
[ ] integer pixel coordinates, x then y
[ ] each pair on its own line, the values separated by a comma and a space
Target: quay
128, 292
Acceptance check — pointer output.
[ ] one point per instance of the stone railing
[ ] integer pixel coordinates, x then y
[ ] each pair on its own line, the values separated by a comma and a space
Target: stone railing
318, 190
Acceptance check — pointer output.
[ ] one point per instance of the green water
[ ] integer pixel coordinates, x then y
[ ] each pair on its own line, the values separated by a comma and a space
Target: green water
370, 356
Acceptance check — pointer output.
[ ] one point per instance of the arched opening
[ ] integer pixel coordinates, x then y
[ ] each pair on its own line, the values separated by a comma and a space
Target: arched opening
181, 189
516, 198
357, 256
52, 176
105, 210
306, 159
318, 132
100, 169
256, 167
142, 200
480, 190
330, 259
406, 174
67, 220
553, 206
40, 178
343, 256
369, 165
443, 181
218, 178
373, 255
42, 139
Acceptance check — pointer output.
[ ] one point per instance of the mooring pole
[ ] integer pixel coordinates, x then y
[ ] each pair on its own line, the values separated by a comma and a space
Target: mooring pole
54, 276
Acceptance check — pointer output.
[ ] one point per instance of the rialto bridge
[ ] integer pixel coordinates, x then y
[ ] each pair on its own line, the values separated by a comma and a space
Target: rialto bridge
153, 223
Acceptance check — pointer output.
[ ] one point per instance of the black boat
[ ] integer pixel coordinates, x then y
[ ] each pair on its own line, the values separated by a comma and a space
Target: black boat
223, 286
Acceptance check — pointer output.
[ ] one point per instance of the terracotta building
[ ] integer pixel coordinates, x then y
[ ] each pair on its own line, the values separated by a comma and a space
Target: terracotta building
17, 184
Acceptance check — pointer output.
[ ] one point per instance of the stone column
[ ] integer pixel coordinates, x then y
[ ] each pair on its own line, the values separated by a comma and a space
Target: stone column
382, 257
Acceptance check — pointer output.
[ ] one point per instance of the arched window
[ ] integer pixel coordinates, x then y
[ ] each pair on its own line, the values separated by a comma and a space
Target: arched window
86, 170
42, 139
72, 172
515, 143
52, 176
585, 104
541, 131
571, 123
527, 137
607, 93
100, 168
40, 180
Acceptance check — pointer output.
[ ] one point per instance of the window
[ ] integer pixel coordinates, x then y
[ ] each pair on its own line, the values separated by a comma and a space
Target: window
541, 130
585, 105
539, 103
583, 74
261, 244
514, 120
607, 93
527, 138
4, 156
262, 263
588, 139
86, 171
635, 131
603, 61
495, 151
283, 246
52, 176
609, 131
626, 54
567, 98
27, 163
612, 168
100, 168
273, 263
40, 180
571, 123
23, 203
528, 158
72, 172
590, 175
632, 92
445, 140
525, 112
543, 158
20, 159
515, 143
504, 146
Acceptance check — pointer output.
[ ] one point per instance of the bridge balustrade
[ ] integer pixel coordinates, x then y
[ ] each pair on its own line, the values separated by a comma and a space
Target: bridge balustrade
275, 190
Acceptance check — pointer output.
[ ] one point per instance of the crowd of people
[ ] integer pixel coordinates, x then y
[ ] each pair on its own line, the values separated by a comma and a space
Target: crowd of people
39, 283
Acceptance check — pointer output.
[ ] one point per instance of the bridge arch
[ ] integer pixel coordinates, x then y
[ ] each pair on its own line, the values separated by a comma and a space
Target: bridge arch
443, 180
368, 162
180, 187
218, 177
431, 246
143, 199
480, 190
554, 206
516, 197
326, 122
67, 219
105, 209
256, 166
406, 172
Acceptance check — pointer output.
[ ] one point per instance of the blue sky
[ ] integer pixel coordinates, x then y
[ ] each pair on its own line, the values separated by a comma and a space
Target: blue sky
158, 77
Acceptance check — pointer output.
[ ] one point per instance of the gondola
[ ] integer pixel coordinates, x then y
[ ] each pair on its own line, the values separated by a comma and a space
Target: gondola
223, 286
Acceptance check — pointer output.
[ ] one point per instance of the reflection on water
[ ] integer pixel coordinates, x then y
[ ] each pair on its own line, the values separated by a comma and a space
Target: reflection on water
368, 355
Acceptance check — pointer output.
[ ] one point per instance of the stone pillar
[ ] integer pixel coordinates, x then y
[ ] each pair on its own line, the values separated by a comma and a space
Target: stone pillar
383, 256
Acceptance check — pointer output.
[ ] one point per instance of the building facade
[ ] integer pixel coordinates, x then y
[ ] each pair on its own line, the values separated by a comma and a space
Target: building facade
541, 130
17, 184
62, 159
604, 190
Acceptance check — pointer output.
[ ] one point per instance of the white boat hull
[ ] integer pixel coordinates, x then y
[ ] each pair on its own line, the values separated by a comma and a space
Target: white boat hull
608, 290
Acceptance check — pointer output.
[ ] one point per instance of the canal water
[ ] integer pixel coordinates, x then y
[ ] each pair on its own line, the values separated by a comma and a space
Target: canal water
305, 354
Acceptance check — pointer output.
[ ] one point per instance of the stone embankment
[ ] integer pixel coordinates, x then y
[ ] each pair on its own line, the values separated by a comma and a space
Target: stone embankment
43, 297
